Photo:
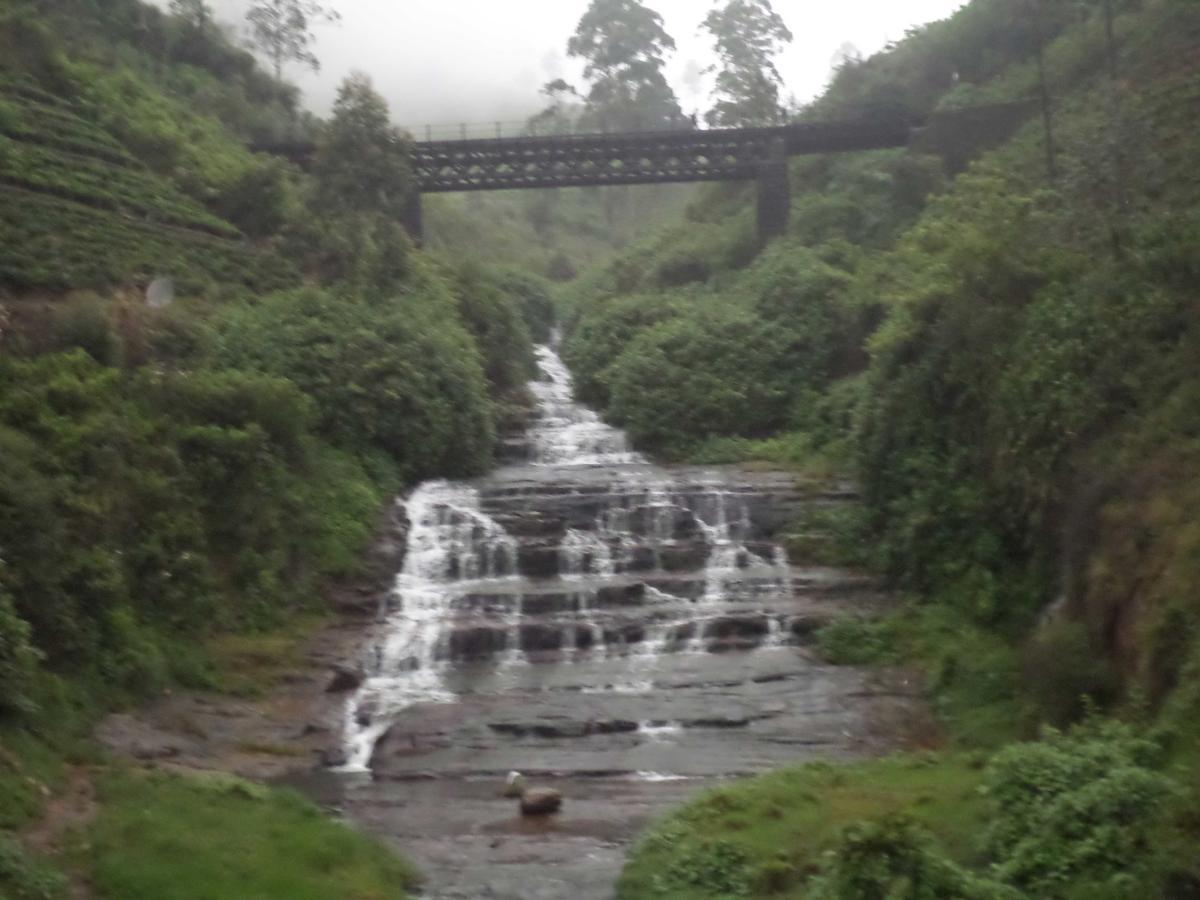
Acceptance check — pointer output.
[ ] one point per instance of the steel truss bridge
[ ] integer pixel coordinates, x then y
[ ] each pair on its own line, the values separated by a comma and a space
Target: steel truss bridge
673, 156
651, 157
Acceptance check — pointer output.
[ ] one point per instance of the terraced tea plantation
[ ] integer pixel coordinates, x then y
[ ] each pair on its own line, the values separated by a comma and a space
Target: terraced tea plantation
77, 209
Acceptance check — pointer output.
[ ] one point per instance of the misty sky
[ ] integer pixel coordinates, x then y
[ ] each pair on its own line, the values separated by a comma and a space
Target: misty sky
448, 61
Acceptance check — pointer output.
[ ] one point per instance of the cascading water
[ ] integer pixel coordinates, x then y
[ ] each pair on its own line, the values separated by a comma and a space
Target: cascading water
475, 585
621, 631
451, 546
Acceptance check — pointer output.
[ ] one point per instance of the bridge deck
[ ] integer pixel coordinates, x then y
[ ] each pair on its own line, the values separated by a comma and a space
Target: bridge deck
635, 158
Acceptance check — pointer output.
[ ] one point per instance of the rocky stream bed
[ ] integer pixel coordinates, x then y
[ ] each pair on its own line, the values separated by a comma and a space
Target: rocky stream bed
624, 633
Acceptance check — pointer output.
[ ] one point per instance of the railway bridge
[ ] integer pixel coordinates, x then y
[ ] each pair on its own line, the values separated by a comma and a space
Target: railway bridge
657, 157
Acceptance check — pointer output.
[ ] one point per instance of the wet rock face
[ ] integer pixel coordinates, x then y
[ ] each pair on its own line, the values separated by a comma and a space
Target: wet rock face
477, 642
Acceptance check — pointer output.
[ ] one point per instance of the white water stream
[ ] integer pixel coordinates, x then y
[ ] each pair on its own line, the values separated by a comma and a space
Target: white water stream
456, 551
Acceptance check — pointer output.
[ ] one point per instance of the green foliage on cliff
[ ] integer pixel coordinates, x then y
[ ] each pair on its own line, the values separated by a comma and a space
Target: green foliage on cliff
401, 377
171, 474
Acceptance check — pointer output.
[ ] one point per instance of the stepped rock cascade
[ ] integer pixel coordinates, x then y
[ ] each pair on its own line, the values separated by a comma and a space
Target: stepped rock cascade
620, 631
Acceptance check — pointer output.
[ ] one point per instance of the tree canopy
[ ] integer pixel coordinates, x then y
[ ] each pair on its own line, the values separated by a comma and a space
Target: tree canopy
282, 30
747, 36
624, 46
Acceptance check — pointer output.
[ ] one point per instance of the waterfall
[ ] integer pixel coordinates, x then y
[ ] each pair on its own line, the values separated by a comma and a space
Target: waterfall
587, 553
451, 544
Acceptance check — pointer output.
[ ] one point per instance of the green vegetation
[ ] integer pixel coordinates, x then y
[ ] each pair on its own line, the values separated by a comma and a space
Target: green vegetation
164, 836
1080, 814
180, 485
774, 829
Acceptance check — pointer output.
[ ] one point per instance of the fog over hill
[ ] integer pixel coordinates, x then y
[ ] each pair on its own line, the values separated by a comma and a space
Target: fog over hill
447, 61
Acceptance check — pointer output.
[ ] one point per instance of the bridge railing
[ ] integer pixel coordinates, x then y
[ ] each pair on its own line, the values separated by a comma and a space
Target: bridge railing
465, 131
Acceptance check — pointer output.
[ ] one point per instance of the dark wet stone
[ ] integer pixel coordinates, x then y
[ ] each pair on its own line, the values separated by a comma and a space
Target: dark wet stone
585, 638
537, 560
687, 557
621, 595
548, 604
335, 756
717, 722
683, 633
755, 626
544, 729
805, 627
541, 636
345, 678
532, 524
640, 559
629, 633
477, 642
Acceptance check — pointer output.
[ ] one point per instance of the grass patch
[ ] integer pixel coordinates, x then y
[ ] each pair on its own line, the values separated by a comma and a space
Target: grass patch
855, 641
161, 837
249, 664
24, 878
793, 450
765, 836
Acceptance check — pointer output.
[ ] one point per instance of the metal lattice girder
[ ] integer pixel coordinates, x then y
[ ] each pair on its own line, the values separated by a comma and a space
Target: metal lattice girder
639, 158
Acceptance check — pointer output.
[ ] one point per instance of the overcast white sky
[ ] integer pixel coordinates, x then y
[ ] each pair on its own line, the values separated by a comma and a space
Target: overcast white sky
446, 61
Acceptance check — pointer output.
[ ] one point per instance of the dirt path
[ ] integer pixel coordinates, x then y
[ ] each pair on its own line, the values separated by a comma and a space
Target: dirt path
68, 811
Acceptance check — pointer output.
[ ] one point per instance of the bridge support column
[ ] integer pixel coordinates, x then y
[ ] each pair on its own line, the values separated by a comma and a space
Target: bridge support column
412, 221
774, 195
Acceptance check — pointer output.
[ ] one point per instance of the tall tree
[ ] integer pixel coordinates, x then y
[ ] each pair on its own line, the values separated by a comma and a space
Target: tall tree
362, 159
282, 30
747, 36
624, 46
195, 14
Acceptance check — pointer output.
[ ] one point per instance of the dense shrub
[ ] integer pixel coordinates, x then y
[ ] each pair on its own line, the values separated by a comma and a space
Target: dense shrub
18, 659
1079, 808
401, 376
714, 370
603, 331
893, 858
136, 508
496, 318
534, 295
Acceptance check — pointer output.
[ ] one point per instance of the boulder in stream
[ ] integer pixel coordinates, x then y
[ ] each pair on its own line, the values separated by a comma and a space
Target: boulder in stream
541, 801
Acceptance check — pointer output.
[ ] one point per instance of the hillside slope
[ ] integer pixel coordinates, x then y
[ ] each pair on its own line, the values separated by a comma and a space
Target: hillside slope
1004, 357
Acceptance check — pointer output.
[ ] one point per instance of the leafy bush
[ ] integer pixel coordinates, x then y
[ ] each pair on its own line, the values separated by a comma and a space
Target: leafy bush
535, 299
713, 370
1077, 808
136, 508
82, 323
397, 376
603, 331
849, 641
893, 858
496, 319
18, 659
